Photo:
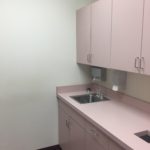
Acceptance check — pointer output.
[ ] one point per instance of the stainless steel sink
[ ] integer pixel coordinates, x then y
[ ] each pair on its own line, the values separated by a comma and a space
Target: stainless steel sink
144, 135
89, 98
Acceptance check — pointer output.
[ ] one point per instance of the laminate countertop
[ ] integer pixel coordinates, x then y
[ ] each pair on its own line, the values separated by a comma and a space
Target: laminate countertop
117, 119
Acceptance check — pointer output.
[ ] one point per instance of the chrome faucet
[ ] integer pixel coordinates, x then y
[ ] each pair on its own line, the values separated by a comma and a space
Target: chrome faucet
90, 94
100, 94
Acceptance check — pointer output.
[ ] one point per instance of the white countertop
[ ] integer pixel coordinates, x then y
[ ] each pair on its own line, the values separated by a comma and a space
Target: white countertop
117, 119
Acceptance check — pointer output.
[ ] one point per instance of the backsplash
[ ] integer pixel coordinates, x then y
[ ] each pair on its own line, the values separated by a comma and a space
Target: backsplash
137, 85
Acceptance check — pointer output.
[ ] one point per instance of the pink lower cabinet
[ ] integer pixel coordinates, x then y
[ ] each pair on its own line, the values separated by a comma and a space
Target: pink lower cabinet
71, 133
95, 139
76, 133
114, 146
77, 136
92, 144
63, 130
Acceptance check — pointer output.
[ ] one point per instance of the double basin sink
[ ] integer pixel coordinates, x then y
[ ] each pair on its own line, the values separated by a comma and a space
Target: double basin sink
89, 98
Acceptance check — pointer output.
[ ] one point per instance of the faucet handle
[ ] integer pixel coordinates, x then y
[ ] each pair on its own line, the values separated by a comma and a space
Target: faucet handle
88, 90
100, 93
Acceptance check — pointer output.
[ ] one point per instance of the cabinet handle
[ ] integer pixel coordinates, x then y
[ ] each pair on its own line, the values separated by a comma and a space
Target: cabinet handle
67, 123
89, 58
142, 63
137, 63
93, 132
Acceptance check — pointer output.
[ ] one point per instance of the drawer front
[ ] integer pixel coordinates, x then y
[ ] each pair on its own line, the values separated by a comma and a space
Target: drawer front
97, 135
72, 113
114, 146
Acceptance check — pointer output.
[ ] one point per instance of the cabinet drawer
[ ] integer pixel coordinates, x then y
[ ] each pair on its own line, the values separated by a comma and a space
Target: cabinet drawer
73, 114
114, 146
97, 135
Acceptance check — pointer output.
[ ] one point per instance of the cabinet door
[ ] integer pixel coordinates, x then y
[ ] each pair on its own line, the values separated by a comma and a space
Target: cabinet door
77, 136
126, 34
92, 144
145, 59
114, 146
101, 33
95, 139
83, 28
63, 130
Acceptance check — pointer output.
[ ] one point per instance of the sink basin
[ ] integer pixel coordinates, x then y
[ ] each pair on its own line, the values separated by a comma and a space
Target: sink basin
83, 99
144, 135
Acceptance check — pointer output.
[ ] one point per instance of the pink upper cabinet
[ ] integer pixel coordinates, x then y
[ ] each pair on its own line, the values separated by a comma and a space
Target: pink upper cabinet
83, 26
126, 34
101, 33
145, 56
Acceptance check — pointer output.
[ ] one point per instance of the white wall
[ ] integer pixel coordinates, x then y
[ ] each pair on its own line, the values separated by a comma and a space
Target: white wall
37, 53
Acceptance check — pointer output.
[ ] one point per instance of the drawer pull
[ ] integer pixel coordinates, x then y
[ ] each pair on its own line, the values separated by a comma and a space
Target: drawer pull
93, 132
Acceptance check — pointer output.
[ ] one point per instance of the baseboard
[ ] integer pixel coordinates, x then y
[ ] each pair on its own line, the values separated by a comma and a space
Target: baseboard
55, 147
